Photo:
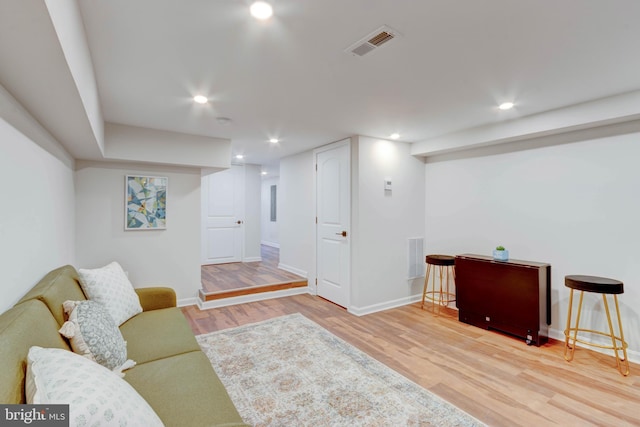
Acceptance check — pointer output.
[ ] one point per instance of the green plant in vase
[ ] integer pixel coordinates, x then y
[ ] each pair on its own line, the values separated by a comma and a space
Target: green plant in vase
500, 253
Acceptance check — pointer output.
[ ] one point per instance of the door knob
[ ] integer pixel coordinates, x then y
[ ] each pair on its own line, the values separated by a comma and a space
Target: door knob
343, 234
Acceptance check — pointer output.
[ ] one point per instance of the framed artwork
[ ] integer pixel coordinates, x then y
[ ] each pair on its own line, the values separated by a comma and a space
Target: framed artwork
145, 202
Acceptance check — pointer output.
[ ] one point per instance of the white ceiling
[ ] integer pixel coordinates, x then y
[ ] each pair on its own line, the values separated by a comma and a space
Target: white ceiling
290, 78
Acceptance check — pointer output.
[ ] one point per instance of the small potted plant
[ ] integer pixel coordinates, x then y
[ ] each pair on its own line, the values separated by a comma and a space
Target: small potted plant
500, 254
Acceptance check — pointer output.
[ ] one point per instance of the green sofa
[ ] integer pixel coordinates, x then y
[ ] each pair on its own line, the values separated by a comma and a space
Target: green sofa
172, 373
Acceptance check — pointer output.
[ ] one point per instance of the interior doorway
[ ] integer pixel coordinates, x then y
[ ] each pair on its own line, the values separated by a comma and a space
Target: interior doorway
222, 216
333, 213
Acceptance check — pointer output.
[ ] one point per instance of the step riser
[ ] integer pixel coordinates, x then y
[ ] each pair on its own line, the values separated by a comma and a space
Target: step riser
210, 296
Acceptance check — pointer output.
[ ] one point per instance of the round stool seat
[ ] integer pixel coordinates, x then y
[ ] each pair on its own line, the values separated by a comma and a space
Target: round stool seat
441, 260
601, 285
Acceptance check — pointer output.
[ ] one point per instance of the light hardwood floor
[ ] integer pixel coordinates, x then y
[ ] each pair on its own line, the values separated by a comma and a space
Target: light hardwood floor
498, 379
242, 275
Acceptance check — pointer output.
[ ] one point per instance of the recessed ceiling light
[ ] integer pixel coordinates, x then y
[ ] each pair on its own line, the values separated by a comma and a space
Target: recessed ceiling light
506, 106
239, 157
200, 99
264, 173
261, 10
274, 140
394, 135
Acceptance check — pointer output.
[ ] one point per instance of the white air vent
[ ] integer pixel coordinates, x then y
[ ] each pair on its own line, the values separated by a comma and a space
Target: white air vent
372, 41
416, 257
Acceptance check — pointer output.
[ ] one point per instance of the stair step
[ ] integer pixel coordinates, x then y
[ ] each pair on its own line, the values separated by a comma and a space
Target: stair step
210, 296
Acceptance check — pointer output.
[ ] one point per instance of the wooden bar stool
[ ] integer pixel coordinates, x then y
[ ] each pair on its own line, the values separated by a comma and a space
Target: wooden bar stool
445, 267
603, 286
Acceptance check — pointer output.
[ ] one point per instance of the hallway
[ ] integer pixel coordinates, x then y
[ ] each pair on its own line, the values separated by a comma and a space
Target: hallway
234, 279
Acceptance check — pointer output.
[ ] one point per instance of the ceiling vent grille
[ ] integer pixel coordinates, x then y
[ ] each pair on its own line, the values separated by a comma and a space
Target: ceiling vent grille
372, 41
381, 38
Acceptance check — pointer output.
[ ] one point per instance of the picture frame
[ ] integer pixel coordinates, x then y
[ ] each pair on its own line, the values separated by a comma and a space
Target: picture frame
145, 202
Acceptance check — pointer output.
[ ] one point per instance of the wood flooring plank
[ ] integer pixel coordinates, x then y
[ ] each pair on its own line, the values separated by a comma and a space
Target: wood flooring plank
233, 276
496, 378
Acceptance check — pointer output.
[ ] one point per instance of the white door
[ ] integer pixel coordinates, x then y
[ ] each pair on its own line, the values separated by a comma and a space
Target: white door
222, 213
333, 200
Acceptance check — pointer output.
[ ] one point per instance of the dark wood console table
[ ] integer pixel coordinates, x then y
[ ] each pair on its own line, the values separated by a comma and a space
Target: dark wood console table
509, 296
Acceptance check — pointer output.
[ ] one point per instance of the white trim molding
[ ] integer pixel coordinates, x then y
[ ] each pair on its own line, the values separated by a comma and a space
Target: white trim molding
187, 301
252, 259
361, 311
224, 302
633, 356
293, 270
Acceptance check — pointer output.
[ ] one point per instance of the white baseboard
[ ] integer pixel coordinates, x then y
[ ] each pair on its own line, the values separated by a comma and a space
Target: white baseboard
272, 244
187, 301
224, 302
361, 311
634, 356
293, 270
252, 259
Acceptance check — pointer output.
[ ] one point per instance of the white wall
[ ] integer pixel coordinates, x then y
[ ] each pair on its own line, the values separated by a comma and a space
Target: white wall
269, 229
38, 203
252, 205
575, 206
168, 257
296, 214
383, 222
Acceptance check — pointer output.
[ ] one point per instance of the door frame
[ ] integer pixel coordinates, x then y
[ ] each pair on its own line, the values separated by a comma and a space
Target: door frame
313, 287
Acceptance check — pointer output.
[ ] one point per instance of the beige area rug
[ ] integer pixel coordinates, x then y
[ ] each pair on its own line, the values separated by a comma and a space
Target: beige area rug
289, 371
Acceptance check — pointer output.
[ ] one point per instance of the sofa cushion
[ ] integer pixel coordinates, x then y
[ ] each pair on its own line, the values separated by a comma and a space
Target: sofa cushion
111, 287
185, 391
21, 327
94, 335
55, 288
96, 396
156, 334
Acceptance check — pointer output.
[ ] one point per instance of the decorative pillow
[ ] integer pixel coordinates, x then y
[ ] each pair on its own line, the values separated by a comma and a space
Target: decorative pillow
110, 287
96, 396
94, 335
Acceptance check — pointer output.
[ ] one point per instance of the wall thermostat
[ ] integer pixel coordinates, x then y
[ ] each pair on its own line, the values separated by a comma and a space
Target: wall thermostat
387, 184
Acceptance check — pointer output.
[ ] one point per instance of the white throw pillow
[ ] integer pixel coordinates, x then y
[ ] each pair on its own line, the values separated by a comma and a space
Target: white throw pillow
96, 396
110, 287
94, 334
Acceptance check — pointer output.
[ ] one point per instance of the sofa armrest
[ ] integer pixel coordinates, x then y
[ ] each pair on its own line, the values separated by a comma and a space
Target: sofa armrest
156, 297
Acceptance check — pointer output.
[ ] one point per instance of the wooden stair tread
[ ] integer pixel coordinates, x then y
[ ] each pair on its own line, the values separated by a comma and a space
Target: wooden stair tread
249, 290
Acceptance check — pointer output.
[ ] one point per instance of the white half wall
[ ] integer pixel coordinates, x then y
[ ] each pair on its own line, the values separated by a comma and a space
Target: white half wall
383, 222
168, 257
575, 206
252, 187
296, 214
37, 219
269, 229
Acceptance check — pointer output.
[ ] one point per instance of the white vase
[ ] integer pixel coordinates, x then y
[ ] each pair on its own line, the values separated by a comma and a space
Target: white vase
501, 255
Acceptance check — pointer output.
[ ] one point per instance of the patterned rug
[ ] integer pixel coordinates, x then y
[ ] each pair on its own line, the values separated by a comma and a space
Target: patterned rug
289, 371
